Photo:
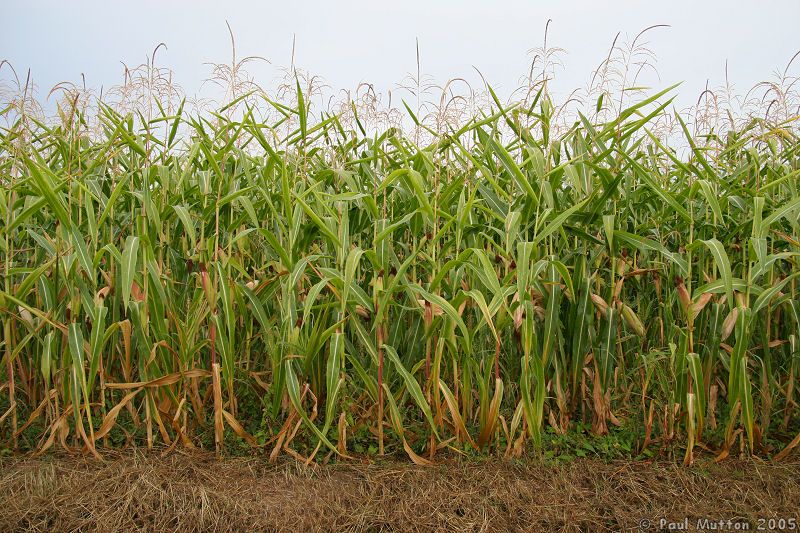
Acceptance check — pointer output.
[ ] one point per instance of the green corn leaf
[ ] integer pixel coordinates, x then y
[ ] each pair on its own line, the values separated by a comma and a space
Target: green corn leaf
128, 267
412, 386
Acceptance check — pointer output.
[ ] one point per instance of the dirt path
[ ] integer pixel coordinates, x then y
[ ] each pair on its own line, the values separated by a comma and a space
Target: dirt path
194, 492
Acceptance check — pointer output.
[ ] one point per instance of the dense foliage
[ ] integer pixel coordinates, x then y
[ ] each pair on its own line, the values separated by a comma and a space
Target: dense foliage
324, 287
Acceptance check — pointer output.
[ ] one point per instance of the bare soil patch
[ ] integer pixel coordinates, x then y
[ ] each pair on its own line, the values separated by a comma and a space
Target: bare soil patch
195, 492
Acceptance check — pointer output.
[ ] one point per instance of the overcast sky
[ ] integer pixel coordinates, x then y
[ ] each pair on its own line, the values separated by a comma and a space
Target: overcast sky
347, 42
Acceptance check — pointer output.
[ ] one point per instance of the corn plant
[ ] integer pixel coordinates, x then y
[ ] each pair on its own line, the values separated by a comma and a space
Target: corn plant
502, 283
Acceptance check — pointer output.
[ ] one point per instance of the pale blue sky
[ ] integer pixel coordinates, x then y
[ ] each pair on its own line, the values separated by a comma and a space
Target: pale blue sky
347, 42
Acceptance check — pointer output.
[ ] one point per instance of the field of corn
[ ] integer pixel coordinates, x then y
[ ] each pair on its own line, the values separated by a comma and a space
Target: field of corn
481, 279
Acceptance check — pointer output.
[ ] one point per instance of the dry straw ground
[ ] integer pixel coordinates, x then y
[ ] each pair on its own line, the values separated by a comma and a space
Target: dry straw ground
183, 492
